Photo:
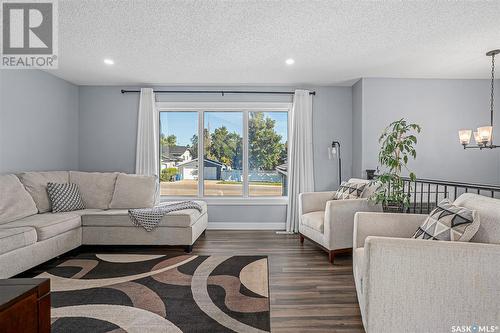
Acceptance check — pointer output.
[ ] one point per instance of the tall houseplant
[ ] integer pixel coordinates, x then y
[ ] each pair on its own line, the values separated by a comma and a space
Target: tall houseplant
398, 143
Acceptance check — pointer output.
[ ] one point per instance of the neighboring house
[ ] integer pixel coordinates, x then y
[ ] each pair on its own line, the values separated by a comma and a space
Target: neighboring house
171, 156
212, 170
283, 172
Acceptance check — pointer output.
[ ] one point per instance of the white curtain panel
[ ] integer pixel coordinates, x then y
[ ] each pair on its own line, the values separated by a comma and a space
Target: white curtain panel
147, 153
300, 163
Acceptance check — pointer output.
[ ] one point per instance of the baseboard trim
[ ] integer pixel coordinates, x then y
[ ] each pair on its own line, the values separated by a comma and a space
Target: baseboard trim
246, 226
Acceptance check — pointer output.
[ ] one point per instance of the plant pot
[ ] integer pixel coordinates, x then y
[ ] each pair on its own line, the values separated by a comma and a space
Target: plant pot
393, 208
370, 174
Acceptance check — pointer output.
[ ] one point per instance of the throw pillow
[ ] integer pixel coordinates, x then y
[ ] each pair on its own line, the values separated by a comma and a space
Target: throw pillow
448, 222
133, 191
36, 185
64, 197
349, 191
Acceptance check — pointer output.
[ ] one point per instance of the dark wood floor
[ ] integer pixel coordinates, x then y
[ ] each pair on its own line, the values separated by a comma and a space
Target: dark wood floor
308, 294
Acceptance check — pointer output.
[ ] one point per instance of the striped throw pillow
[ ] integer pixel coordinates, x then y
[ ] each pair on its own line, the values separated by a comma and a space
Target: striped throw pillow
64, 197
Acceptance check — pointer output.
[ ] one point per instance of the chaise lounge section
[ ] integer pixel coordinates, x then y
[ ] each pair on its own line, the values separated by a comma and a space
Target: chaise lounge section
31, 234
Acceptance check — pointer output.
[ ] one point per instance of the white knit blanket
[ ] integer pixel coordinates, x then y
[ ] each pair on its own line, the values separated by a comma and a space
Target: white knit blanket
149, 218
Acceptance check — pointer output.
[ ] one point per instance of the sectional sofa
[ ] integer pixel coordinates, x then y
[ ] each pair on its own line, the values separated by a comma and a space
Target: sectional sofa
31, 234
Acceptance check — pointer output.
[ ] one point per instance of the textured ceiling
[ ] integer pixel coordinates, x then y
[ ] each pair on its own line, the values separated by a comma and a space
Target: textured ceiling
247, 42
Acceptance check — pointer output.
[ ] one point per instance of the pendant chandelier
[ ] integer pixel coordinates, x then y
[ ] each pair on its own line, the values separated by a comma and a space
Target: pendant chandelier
484, 134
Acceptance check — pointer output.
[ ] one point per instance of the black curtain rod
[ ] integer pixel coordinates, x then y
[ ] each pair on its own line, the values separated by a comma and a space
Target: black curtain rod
222, 92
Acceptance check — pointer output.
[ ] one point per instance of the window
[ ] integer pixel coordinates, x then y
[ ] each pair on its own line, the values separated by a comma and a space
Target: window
223, 151
267, 153
179, 153
244, 148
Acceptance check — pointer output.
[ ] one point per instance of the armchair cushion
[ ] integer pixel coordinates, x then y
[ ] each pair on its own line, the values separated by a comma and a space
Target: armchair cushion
349, 190
384, 224
449, 223
313, 201
315, 220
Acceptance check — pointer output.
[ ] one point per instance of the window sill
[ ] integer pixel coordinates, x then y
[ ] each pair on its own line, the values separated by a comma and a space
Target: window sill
228, 201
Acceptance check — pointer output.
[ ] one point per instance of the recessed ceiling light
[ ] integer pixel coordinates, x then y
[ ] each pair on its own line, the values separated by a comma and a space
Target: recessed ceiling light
289, 61
108, 61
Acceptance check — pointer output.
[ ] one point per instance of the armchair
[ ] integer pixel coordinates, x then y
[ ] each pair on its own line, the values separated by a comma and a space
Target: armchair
413, 285
329, 223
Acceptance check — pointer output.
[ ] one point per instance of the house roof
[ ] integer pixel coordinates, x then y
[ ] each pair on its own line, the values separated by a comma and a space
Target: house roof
206, 161
282, 168
172, 153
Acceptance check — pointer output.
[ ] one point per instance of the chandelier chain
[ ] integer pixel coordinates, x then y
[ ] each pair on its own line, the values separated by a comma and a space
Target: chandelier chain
492, 97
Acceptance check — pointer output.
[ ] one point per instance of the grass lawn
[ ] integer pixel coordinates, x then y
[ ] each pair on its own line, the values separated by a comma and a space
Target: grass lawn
229, 182
219, 188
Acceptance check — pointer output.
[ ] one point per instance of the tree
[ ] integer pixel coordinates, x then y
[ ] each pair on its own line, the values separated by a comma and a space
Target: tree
226, 147
398, 145
265, 149
194, 143
169, 141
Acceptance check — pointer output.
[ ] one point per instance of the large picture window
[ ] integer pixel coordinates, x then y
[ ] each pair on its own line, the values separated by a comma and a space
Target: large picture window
179, 153
244, 150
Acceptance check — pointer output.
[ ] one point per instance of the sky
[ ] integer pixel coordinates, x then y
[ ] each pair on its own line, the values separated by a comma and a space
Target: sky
185, 124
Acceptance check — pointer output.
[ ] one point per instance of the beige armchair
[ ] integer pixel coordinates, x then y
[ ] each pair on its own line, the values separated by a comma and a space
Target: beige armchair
413, 285
329, 223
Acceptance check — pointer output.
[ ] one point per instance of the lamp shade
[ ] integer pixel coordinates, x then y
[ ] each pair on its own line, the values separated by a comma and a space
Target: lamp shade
484, 134
464, 136
476, 137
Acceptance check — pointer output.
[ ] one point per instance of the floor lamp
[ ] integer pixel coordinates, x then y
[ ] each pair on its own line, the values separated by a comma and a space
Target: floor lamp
334, 150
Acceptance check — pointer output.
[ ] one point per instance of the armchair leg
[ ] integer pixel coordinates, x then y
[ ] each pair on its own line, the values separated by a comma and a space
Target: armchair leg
301, 239
331, 256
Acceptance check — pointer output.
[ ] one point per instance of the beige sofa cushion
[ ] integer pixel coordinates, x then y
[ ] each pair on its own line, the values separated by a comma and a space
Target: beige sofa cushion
96, 188
49, 224
133, 191
119, 218
489, 211
36, 185
15, 238
15, 202
314, 220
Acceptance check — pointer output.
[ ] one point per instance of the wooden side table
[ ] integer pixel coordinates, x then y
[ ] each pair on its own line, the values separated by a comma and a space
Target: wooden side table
25, 305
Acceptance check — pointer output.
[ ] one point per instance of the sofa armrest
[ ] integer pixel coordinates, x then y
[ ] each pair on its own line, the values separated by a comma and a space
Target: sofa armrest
412, 285
385, 224
339, 220
313, 201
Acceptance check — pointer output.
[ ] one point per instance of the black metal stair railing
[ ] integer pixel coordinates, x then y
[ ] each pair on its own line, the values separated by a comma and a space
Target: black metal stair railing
425, 194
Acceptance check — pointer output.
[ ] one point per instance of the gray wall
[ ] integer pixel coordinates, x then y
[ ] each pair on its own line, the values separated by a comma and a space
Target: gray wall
442, 107
108, 121
357, 130
38, 122
48, 124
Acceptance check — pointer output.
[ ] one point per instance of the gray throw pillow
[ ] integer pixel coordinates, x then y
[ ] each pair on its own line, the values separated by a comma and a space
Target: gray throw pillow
448, 222
349, 191
64, 197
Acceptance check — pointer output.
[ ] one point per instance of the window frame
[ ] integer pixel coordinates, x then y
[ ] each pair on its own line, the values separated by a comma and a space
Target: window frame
245, 108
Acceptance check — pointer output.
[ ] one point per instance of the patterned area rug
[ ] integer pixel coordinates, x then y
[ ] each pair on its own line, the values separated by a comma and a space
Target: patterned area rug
155, 293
